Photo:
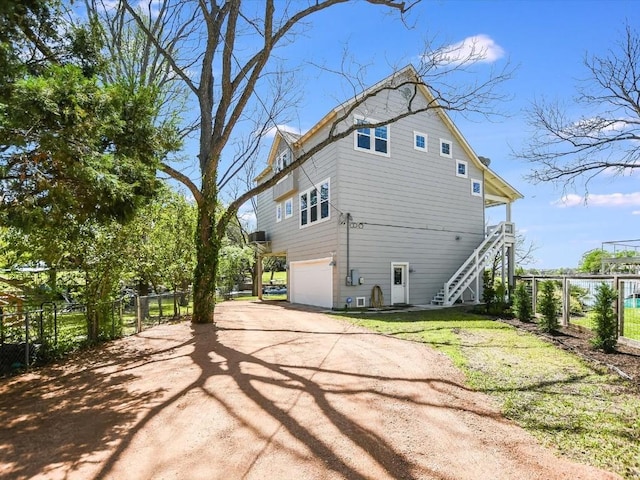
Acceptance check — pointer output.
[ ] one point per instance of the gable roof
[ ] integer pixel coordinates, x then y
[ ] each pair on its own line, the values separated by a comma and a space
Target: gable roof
497, 190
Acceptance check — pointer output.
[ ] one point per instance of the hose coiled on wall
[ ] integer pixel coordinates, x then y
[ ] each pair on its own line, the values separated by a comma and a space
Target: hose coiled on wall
377, 298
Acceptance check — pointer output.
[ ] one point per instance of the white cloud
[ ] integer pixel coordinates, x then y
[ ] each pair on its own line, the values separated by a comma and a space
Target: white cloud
635, 212
600, 200
478, 48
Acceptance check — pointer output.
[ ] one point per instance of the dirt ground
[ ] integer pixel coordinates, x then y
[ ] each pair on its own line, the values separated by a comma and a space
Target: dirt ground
273, 392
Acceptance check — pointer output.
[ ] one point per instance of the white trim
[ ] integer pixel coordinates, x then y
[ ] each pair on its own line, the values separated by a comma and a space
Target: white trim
372, 137
415, 141
466, 169
361, 302
450, 143
288, 201
318, 188
473, 183
278, 212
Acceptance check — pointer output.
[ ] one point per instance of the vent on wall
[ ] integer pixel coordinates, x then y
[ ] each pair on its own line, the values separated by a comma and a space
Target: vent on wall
361, 302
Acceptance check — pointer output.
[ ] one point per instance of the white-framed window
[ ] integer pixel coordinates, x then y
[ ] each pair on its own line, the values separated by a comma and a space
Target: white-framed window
314, 204
420, 141
279, 212
374, 140
282, 160
461, 168
288, 208
476, 187
446, 148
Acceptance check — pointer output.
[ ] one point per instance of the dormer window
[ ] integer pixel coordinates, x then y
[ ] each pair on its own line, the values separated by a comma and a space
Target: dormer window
282, 160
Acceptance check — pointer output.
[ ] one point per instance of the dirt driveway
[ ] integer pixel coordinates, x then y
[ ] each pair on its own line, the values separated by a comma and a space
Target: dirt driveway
272, 393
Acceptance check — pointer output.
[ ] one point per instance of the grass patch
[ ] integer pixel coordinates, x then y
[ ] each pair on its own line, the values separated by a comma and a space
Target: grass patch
566, 403
278, 277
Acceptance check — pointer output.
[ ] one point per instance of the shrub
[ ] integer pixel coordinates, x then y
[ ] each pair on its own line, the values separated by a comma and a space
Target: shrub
522, 303
548, 307
605, 318
493, 295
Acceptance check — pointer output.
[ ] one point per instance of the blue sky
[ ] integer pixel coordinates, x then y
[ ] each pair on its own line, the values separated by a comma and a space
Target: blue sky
546, 41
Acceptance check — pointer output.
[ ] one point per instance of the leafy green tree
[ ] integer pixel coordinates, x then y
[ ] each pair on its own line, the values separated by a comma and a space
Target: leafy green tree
235, 264
591, 261
605, 317
548, 307
164, 233
522, 303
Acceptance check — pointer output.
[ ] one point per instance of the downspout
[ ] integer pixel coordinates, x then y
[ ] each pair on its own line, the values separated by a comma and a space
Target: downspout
347, 282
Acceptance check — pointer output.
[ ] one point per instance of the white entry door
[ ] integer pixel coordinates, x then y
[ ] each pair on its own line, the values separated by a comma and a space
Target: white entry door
399, 283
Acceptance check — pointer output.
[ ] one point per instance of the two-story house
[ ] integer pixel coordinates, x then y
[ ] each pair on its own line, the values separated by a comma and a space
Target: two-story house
393, 214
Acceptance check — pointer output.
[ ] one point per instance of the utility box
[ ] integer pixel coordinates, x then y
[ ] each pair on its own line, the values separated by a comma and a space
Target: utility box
354, 277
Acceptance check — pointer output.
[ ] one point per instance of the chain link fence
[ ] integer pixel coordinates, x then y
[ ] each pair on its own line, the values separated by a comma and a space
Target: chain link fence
576, 296
37, 334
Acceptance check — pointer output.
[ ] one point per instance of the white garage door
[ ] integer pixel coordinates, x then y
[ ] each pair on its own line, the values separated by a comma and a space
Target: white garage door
311, 282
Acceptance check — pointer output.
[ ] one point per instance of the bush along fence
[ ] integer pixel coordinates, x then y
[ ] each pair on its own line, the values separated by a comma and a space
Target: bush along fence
577, 297
37, 334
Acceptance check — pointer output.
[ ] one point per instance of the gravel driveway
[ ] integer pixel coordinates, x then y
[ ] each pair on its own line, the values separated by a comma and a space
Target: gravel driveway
273, 392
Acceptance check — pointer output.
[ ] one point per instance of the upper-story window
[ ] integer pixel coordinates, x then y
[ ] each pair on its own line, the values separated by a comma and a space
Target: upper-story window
461, 168
476, 187
282, 160
374, 140
314, 204
420, 141
446, 148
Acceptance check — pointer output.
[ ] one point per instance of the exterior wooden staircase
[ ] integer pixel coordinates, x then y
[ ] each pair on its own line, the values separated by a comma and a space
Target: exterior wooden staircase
470, 273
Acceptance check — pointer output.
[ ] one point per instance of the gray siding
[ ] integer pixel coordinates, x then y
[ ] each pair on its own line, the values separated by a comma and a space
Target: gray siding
412, 207
313, 241
409, 207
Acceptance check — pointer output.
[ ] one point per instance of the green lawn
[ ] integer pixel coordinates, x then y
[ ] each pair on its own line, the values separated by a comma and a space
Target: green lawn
587, 413
278, 277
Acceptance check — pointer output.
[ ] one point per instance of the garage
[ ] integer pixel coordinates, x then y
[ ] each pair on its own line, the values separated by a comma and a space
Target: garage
311, 282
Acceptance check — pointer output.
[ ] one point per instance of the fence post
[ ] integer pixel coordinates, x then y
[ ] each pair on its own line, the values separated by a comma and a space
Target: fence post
620, 306
566, 301
534, 295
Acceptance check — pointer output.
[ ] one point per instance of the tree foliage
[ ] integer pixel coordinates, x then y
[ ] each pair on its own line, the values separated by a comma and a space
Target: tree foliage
565, 148
77, 148
548, 307
592, 261
605, 318
72, 144
522, 303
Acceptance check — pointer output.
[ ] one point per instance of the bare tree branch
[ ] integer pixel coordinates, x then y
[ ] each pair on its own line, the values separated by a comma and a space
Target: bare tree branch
565, 149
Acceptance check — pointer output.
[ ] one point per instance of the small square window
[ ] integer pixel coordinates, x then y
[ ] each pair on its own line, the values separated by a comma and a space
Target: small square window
446, 148
476, 188
461, 168
279, 212
420, 141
